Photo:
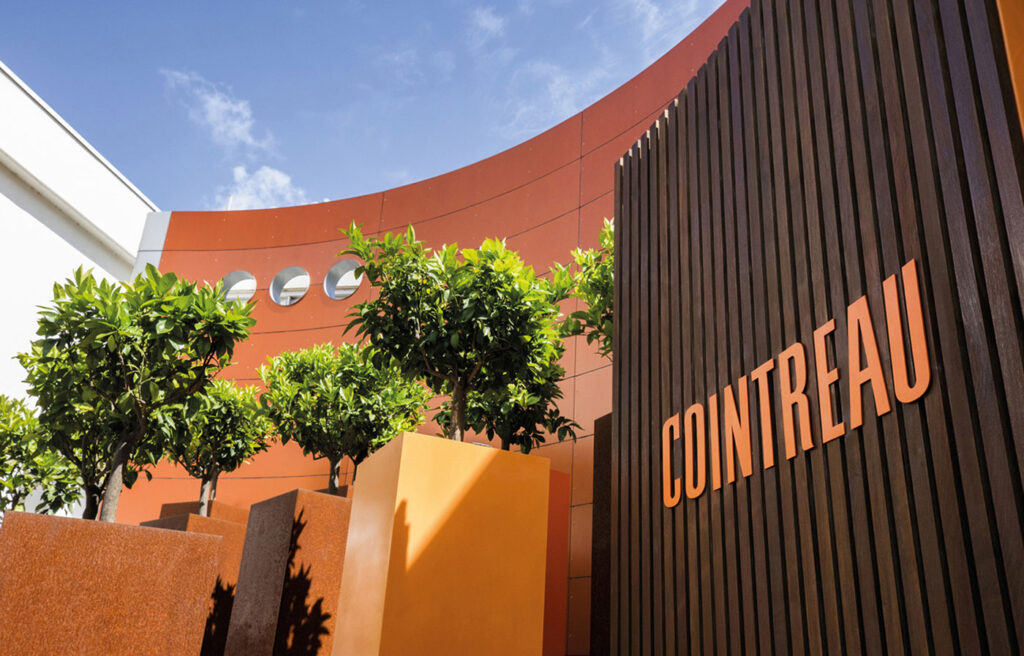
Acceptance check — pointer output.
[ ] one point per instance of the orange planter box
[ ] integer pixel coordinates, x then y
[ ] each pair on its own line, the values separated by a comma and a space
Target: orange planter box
72, 586
218, 510
446, 552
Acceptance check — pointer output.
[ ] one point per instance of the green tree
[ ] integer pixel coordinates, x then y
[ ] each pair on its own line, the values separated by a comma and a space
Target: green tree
594, 284
339, 402
226, 426
463, 321
111, 363
27, 466
521, 412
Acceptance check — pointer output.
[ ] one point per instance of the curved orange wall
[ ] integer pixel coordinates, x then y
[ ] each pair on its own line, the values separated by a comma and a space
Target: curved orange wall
546, 196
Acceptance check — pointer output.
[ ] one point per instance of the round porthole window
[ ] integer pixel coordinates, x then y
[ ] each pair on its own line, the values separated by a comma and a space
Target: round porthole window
289, 286
341, 280
239, 286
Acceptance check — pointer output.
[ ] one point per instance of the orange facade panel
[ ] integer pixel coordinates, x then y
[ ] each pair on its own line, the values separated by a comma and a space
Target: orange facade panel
1011, 13
301, 224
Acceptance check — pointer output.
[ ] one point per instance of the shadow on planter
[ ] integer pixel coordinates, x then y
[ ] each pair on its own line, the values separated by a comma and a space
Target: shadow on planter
301, 625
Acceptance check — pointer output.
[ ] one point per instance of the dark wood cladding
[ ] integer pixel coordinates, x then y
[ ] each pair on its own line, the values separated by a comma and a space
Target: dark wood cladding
823, 145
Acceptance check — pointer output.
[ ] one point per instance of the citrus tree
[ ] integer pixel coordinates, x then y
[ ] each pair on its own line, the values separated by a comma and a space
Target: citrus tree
463, 321
522, 412
594, 284
26, 466
223, 426
339, 402
112, 362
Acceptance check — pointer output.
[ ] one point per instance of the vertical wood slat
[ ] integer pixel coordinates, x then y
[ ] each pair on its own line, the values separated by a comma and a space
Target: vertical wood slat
825, 144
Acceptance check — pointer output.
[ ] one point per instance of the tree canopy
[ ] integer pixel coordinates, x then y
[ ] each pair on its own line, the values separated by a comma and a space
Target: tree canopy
463, 321
594, 281
340, 402
522, 412
110, 362
27, 466
225, 427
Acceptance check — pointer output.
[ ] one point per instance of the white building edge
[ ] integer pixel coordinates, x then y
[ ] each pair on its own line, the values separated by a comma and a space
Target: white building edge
62, 205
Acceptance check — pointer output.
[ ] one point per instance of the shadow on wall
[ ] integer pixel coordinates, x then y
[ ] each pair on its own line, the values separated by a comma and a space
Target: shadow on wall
215, 636
301, 625
463, 574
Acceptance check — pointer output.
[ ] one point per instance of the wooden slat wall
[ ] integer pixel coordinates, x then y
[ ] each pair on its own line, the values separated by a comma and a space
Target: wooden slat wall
823, 145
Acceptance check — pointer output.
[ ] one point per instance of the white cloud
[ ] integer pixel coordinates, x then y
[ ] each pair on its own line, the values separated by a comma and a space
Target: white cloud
404, 65
444, 62
547, 93
484, 24
231, 125
228, 119
660, 25
411, 68
264, 187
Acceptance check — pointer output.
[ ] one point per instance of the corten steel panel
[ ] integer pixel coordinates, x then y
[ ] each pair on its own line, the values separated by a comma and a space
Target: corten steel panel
420, 572
556, 584
827, 151
221, 596
579, 617
588, 361
291, 226
593, 394
218, 510
580, 532
547, 243
559, 453
72, 586
232, 534
286, 599
592, 216
583, 471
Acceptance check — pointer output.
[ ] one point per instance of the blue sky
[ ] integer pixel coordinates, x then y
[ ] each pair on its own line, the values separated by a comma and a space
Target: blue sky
257, 104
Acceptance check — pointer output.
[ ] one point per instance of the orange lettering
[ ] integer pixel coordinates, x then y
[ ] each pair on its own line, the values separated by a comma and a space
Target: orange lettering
905, 393
671, 488
792, 397
862, 330
829, 429
693, 448
737, 430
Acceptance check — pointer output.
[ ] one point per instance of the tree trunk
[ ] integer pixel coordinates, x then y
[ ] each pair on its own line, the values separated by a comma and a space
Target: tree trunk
506, 444
114, 483
355, 470
207, 490
457, 427
332, 478
92, 502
